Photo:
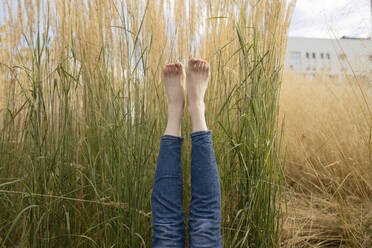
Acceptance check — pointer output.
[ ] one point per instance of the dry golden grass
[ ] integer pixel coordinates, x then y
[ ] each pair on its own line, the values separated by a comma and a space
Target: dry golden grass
328, 162
98, 46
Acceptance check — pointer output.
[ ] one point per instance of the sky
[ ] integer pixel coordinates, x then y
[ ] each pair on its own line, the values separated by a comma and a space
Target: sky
328, 18
331, 18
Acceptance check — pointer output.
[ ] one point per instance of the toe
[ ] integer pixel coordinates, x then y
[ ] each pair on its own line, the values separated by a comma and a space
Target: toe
165, 70
179, 67
172, 69
197, 64
196, 67
206, 67
200, 66
192, 62
169, 70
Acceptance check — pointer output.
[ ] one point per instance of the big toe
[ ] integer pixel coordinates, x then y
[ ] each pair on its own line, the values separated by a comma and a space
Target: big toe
193, 62
179, 66
196, 64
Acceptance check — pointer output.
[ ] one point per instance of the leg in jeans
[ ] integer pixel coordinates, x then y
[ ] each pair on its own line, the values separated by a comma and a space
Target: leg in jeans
167, 210
166, 200
205, 206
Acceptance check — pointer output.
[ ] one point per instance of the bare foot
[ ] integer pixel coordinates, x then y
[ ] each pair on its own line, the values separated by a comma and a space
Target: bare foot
174, 81
197, 82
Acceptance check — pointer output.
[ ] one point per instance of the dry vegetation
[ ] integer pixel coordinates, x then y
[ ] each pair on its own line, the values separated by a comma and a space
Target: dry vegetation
328, 162
82, 110
85, 109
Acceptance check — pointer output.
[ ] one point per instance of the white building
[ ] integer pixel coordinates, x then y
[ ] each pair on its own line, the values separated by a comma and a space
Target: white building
334, 58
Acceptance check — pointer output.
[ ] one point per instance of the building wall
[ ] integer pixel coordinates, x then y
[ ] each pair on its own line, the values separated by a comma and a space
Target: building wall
332, 57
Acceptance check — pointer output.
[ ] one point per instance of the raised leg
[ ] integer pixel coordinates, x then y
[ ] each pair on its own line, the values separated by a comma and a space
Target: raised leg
167, 210
205, 206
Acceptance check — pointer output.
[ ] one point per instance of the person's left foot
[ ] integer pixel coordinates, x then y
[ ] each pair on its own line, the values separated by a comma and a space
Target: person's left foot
197, 82
174, 82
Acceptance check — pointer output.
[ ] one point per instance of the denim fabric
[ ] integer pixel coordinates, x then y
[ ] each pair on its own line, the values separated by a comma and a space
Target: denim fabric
167, 210
205, 207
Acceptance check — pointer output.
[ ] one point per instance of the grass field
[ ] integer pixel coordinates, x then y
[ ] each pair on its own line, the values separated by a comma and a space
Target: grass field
328, 162
83, 109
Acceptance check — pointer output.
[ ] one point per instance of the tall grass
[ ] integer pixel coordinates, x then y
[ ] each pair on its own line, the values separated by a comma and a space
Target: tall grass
84, 107
328, 164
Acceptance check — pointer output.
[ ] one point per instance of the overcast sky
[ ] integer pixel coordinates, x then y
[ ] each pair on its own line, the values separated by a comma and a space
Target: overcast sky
331, 18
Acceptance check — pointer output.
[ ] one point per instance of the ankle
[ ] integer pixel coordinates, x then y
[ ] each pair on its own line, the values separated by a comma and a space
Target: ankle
175, 111
197, 114
175, 114
196, 107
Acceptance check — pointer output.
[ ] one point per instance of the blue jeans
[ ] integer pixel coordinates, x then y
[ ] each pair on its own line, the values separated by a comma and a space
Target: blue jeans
205, 207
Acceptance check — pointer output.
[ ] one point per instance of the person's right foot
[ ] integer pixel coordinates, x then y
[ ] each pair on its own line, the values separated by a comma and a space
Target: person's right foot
197, 81
174, 81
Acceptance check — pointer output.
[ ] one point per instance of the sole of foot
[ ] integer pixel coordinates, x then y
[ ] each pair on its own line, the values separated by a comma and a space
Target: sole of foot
174, 81
197, 75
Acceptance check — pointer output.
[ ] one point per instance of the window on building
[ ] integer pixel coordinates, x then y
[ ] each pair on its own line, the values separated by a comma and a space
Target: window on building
328, 56
322, 55
370, 58
307, 55
314, 56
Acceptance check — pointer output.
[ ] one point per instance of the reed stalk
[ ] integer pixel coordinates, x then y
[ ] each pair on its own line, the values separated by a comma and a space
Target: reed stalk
83, 107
